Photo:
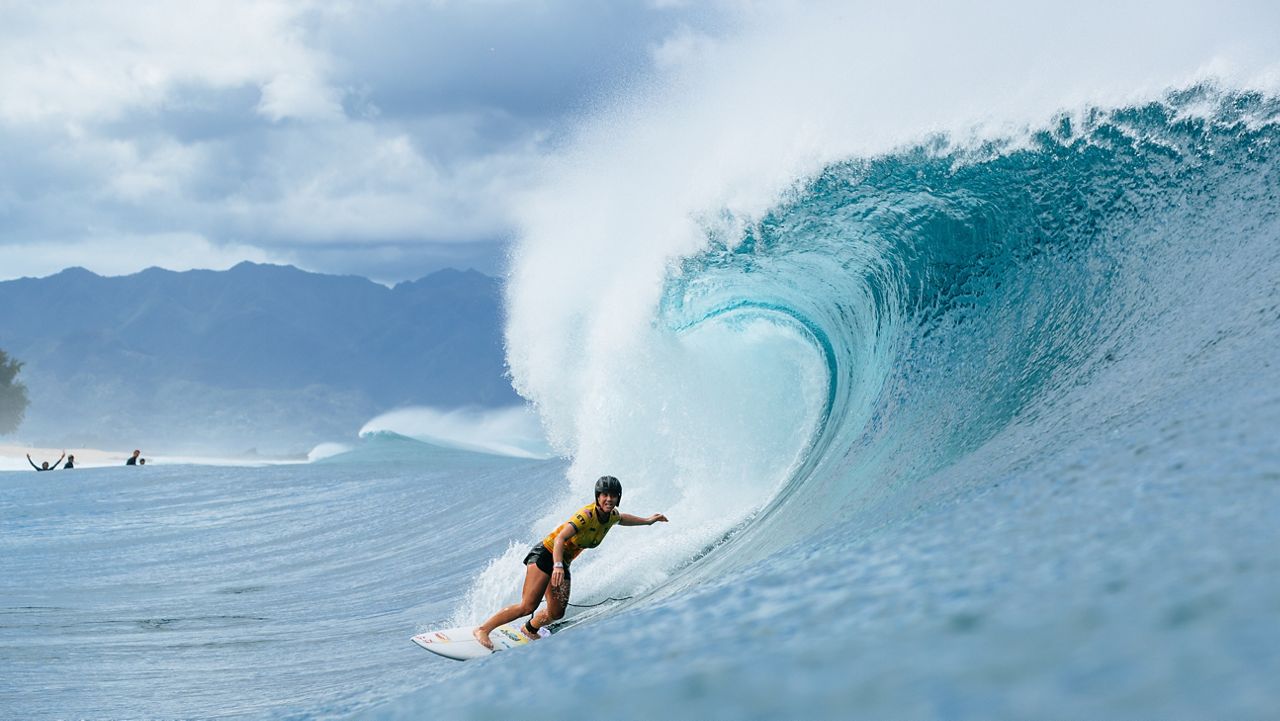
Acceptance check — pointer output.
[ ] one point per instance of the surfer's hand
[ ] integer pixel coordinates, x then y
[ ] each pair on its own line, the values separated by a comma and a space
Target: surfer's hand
656, 518
557, 577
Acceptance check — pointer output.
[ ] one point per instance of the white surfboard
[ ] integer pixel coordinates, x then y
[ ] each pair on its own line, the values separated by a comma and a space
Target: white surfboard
461, 645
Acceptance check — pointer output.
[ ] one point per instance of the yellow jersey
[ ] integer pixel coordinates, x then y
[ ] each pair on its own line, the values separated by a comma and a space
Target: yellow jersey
591, 531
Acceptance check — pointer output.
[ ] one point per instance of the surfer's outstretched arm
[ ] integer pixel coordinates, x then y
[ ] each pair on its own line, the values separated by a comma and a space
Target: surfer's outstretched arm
630, 520
33, 463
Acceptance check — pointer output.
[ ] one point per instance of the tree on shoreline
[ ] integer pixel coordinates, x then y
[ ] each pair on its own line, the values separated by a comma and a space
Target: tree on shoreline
13, 395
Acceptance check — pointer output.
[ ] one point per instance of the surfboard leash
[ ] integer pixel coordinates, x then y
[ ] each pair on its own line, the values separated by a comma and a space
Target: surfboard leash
599, 603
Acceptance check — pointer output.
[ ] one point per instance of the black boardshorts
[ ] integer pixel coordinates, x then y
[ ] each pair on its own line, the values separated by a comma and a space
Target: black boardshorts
546, 562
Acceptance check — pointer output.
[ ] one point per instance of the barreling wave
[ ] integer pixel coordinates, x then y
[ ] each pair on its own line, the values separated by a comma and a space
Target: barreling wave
894, 313
950, 290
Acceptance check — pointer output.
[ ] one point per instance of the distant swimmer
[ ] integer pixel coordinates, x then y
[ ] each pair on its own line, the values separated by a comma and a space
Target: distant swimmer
71, 462
133, 460
142, 461
44, 466
548, 562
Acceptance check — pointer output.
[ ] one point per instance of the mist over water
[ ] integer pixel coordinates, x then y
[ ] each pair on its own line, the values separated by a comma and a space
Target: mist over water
511, 431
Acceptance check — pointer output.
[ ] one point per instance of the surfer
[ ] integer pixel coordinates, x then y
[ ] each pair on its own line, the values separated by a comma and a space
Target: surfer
71, 462
44, 465
133, 460
547, 565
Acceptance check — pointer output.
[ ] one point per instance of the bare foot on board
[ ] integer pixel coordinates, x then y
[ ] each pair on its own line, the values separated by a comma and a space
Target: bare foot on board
483, 637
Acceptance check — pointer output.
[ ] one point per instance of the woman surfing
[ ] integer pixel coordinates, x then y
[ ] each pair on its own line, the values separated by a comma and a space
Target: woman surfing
547, 565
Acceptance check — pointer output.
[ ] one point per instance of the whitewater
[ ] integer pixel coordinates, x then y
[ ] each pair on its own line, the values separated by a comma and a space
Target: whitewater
961, 396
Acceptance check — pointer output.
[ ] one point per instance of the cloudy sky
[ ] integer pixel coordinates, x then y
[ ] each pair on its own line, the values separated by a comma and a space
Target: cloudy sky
381, 138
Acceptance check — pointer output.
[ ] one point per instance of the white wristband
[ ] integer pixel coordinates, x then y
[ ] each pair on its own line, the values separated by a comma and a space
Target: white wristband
559, 565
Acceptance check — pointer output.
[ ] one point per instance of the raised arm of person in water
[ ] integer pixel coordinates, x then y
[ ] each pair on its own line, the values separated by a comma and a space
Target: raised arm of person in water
44, 465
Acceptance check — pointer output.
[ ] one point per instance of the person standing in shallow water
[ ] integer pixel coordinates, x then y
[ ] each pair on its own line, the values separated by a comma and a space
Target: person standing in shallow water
547, 565
133, 460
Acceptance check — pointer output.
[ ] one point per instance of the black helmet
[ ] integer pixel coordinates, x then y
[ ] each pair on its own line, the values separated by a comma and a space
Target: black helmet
609, 486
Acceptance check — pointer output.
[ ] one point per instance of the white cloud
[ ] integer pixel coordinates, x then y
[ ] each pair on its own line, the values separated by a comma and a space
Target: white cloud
144, 175
293, 128
682, 47
299, 96
110, 254
87, 61
364, 183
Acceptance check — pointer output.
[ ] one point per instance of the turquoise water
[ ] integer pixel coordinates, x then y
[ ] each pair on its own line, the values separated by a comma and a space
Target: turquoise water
957, 431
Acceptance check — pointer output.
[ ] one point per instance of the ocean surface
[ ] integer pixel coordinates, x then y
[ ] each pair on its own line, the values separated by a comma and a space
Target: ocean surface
961, 429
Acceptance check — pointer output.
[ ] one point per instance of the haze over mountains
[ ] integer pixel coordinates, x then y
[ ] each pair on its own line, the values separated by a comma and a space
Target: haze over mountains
262, 357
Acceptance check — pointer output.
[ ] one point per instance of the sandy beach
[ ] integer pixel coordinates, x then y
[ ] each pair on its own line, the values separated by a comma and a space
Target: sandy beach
14, 457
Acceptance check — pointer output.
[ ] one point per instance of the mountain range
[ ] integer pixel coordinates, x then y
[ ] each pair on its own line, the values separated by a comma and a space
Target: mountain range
262, 357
